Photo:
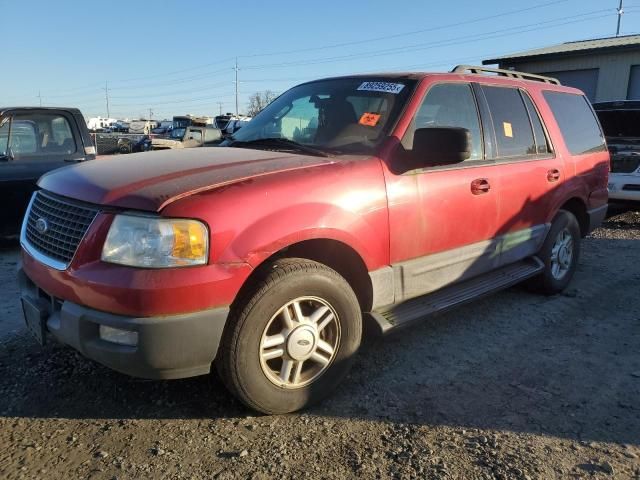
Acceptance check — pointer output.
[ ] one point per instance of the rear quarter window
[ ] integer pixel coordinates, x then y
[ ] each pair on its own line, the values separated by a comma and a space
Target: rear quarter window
577, 122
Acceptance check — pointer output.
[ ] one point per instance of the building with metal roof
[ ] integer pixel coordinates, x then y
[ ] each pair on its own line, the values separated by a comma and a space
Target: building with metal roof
605, 69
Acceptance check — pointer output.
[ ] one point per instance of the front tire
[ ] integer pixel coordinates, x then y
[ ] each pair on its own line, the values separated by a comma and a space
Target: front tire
291, 338
559, 253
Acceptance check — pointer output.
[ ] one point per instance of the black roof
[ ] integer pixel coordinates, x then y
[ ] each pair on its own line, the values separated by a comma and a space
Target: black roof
581, 47
66, 109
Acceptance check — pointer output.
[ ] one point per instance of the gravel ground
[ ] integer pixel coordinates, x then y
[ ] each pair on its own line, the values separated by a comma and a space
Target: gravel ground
515, 386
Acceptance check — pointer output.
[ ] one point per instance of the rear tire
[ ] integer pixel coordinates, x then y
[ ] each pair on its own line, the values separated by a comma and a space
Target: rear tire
292, 337
559, 253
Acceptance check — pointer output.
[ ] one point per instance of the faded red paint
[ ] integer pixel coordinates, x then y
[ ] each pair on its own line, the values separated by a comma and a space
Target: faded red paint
256, 203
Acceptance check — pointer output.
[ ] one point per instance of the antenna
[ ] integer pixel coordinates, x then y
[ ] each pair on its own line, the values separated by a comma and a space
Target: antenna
620, 13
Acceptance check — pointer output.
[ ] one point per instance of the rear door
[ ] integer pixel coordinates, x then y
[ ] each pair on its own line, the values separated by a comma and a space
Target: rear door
32, 143
528, 169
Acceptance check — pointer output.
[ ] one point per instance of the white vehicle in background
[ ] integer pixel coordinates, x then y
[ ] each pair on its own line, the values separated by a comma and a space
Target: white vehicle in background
234, 124
142, 126
99, 123
621, 124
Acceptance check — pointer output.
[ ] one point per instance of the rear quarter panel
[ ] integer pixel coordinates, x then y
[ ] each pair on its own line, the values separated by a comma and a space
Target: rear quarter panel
585, 176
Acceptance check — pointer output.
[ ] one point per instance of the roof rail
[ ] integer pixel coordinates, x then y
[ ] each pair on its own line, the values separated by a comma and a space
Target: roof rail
505, 73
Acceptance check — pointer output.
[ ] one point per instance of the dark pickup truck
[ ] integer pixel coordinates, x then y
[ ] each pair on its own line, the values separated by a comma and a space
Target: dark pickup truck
33, 141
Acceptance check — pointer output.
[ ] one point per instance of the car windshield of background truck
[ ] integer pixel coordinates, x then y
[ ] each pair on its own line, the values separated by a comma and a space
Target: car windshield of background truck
346, 115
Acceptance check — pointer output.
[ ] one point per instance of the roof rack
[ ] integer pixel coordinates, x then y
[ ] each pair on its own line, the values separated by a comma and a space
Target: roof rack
505, 73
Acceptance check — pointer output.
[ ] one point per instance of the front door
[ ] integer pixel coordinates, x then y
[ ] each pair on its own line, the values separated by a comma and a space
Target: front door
442, 219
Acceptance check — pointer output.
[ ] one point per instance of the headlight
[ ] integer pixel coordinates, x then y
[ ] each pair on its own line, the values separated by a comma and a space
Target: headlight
150, 242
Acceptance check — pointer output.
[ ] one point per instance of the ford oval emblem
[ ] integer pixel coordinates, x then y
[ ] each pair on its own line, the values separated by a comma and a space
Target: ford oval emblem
42, 226
303, 342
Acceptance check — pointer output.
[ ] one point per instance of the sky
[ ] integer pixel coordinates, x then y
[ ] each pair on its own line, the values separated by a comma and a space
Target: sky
176, 57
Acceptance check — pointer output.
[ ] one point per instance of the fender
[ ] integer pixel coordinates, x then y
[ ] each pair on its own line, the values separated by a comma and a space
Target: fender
251, 220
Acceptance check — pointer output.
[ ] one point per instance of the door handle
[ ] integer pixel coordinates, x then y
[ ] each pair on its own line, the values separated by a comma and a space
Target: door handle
553, 175
480, 186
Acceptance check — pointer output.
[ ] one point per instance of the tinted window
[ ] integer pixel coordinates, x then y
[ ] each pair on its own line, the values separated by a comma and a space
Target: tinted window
542, 144
577, 122
449, 105
514, 136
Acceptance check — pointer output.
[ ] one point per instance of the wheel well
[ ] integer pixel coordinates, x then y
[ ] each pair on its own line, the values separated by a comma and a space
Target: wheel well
579, 210
334, 254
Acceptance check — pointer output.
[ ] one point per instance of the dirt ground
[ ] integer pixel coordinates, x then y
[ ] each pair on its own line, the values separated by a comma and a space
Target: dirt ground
516, 386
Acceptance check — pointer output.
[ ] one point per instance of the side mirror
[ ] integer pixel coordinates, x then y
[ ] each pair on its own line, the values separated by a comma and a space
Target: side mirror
441, 146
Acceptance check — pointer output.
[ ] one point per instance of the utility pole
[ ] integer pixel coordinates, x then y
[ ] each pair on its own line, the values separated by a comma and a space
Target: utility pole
620, 13
40, 97
236, 82
150, 114
106, 95
220, 105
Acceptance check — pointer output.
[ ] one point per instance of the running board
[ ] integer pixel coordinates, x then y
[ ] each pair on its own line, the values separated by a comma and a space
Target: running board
400, 315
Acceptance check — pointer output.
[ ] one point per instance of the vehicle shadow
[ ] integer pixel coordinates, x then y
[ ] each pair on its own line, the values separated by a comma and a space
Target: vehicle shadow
489, 365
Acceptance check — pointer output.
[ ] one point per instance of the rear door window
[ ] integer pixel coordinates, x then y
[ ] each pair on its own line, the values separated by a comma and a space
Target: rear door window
514, 134
577, 122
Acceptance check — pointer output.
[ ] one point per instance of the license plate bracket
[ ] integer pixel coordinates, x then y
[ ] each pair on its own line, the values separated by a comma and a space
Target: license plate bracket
35, 318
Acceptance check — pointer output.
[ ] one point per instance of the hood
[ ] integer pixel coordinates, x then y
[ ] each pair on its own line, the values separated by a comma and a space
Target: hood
151, 180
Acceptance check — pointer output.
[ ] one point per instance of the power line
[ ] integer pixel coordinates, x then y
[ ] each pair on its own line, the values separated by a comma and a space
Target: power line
175, 101
439, 43
405, 34
324, 47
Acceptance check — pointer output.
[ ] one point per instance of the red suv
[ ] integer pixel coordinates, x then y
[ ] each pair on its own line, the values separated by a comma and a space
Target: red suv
390, 196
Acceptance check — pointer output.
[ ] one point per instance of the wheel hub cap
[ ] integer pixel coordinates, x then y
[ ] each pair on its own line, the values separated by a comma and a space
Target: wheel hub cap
301, 342
561, 254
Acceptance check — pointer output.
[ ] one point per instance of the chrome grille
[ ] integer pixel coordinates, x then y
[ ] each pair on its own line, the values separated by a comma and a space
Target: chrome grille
66, 223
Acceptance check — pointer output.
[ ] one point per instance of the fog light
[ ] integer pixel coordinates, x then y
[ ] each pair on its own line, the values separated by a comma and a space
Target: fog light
119, 336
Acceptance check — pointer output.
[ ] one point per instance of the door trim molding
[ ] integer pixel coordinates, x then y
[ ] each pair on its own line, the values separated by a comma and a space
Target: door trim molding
412, 278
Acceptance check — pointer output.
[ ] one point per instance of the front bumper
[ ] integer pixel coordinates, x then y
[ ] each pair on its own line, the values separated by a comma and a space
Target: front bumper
175, 346
624, 187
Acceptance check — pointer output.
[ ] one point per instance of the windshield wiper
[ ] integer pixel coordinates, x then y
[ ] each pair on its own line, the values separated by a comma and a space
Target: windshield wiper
283, 143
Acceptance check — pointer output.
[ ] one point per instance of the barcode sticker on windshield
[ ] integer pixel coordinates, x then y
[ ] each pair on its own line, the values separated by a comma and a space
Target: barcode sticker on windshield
386, 87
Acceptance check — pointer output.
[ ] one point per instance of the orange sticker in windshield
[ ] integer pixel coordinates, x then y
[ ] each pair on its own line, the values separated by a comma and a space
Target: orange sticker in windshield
369, 119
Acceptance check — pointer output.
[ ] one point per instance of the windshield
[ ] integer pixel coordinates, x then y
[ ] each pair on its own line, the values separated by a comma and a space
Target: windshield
620, 123
181, 122
350, 115
178, 132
